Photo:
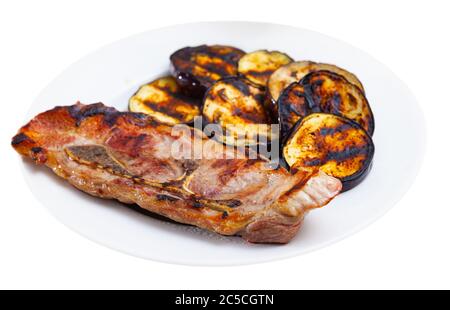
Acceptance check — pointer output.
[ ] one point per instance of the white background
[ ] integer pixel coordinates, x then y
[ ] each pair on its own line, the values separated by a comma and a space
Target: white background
408, 248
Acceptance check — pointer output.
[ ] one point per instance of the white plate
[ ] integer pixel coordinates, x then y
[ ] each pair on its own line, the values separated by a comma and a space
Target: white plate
113, 73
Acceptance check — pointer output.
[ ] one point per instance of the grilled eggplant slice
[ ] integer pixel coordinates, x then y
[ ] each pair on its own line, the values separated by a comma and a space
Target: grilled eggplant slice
259, 65
197, 68
335, 144
295, 71
292, 106
237, 106
163, 100
329, 92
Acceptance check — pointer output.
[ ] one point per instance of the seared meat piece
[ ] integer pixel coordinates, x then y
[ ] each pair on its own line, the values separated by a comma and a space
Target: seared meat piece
131, 158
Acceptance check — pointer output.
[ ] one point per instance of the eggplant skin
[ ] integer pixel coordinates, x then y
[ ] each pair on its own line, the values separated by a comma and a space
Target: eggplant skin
257, 66
295, 71
338, 146
197, 68
164, 101
292, 106
329, 92
237, 106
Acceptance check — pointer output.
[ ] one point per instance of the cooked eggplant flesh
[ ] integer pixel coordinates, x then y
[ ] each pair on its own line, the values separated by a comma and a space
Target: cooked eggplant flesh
292, 106
164, 101
295, 71
329, 92
197, 68
237, 106
336, 145
259, 65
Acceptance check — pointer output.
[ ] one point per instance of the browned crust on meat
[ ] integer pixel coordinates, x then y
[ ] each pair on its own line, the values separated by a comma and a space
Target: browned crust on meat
161, 184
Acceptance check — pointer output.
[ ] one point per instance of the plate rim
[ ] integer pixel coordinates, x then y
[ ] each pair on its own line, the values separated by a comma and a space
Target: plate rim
405, 188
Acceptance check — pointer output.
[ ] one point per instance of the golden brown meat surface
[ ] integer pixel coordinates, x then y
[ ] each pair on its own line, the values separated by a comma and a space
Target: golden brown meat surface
131, 158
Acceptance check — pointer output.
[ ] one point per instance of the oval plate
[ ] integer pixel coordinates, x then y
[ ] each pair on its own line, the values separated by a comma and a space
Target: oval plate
113, 73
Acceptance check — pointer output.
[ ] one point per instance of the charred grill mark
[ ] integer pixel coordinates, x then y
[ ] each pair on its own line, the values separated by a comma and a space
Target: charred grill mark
197, 204
38, 154
298, 93
329, 131
333, 76
315, 83
110, 118
221, 94
300, 184
233, 203
229, 55
74, 112
249, 117
239, 84
129, 144
139, 119
232, 58
213, 96
19, 138
224, 215
347, 153
215, 68
167, 184
265, 73
312, 162
184, 98
162, 197
36, 149
336, 101
80, 112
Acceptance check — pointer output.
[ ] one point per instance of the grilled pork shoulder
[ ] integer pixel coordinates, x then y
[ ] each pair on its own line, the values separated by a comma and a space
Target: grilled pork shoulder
131, 158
